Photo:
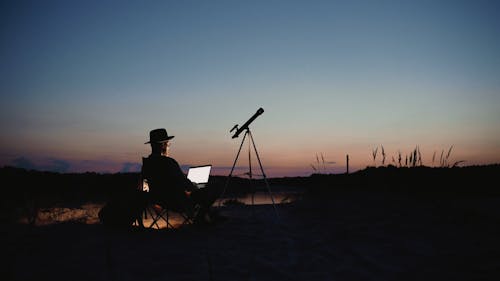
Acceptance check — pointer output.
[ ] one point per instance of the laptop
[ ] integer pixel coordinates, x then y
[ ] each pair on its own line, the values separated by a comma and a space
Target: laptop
199, 175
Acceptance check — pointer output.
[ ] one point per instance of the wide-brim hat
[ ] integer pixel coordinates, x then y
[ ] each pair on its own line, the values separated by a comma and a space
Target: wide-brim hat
158, 136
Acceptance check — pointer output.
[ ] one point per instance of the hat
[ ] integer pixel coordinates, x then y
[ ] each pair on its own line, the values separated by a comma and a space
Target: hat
158, 136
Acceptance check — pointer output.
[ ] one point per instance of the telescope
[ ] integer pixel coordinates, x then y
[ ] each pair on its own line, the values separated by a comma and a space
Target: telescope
245, 126
250, 142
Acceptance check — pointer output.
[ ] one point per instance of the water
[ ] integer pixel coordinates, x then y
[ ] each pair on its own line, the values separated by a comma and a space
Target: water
263, 198
259, 198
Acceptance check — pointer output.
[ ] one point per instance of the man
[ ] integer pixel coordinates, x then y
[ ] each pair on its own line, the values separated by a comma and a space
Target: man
168, 185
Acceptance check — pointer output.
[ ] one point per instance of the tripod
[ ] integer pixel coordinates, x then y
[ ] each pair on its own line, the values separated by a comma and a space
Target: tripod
251, 142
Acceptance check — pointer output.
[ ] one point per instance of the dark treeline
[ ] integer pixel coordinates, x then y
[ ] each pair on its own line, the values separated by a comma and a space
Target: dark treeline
53, 188
470, 180
21, 187
94, 186
34, 189
26, 191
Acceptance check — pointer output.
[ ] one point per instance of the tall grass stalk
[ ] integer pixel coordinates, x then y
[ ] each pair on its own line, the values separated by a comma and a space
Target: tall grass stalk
383, 155
320, 166
323, 160
374, 154
415, 159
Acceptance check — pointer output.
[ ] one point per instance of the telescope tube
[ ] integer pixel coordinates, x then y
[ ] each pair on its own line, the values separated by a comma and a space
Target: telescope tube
245, 126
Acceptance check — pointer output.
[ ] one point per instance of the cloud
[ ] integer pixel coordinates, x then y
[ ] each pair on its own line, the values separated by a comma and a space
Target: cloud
50, 164
130, 167
23, 162
57, 165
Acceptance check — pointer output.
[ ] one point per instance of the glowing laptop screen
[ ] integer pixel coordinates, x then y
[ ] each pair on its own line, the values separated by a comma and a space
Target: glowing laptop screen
199, 174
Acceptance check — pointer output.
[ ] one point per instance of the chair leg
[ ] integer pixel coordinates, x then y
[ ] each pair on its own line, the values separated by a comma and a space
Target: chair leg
139, 222
168, 221
155, 219
164, 214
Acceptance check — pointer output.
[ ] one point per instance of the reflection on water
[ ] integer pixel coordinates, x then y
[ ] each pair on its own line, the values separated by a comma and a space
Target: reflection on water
262, 198
259, 198
88, 213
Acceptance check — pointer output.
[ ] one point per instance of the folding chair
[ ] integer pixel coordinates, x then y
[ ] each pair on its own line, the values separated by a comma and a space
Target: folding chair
161, 212
160, 215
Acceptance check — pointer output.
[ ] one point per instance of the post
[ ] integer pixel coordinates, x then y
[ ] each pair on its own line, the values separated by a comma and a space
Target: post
347, 163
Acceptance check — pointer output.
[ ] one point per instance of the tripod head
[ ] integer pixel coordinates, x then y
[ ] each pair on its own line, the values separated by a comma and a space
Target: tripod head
245, 126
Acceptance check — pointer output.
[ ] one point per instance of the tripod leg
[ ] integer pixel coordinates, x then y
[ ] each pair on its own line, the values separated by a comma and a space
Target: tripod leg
250, 174
232, 169
264, 175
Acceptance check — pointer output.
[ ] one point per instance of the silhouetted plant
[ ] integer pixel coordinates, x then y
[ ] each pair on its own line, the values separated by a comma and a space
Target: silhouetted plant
383, 155
323, 161
319, 165
415, 159
449, 153
374, 154
419, 157
314, 168
445, 160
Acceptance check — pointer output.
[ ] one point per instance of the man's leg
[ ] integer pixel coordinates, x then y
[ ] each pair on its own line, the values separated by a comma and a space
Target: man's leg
205, 197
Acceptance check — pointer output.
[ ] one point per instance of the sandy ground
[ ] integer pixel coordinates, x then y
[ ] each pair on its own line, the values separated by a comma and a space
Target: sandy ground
349, 236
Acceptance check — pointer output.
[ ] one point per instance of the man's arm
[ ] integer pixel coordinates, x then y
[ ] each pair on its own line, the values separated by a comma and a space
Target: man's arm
178, 176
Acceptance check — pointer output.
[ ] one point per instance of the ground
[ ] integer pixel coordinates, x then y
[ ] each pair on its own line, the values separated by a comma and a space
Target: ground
357, 235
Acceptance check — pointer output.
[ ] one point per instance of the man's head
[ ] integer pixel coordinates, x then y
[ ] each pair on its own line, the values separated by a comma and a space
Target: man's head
160, 141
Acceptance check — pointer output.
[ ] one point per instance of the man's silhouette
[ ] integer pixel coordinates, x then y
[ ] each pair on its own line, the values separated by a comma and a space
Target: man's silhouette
168, 185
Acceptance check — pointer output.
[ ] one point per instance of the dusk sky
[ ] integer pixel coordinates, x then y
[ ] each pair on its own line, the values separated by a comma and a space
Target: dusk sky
83, 82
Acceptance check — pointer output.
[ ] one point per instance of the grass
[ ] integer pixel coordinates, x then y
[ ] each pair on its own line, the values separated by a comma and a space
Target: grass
414, 158
319, 167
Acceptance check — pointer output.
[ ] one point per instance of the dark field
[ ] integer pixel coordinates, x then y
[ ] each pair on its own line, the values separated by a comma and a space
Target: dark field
376, 224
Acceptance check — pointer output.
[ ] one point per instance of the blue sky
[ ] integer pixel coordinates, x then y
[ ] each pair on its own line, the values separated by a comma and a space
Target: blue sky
83, 82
